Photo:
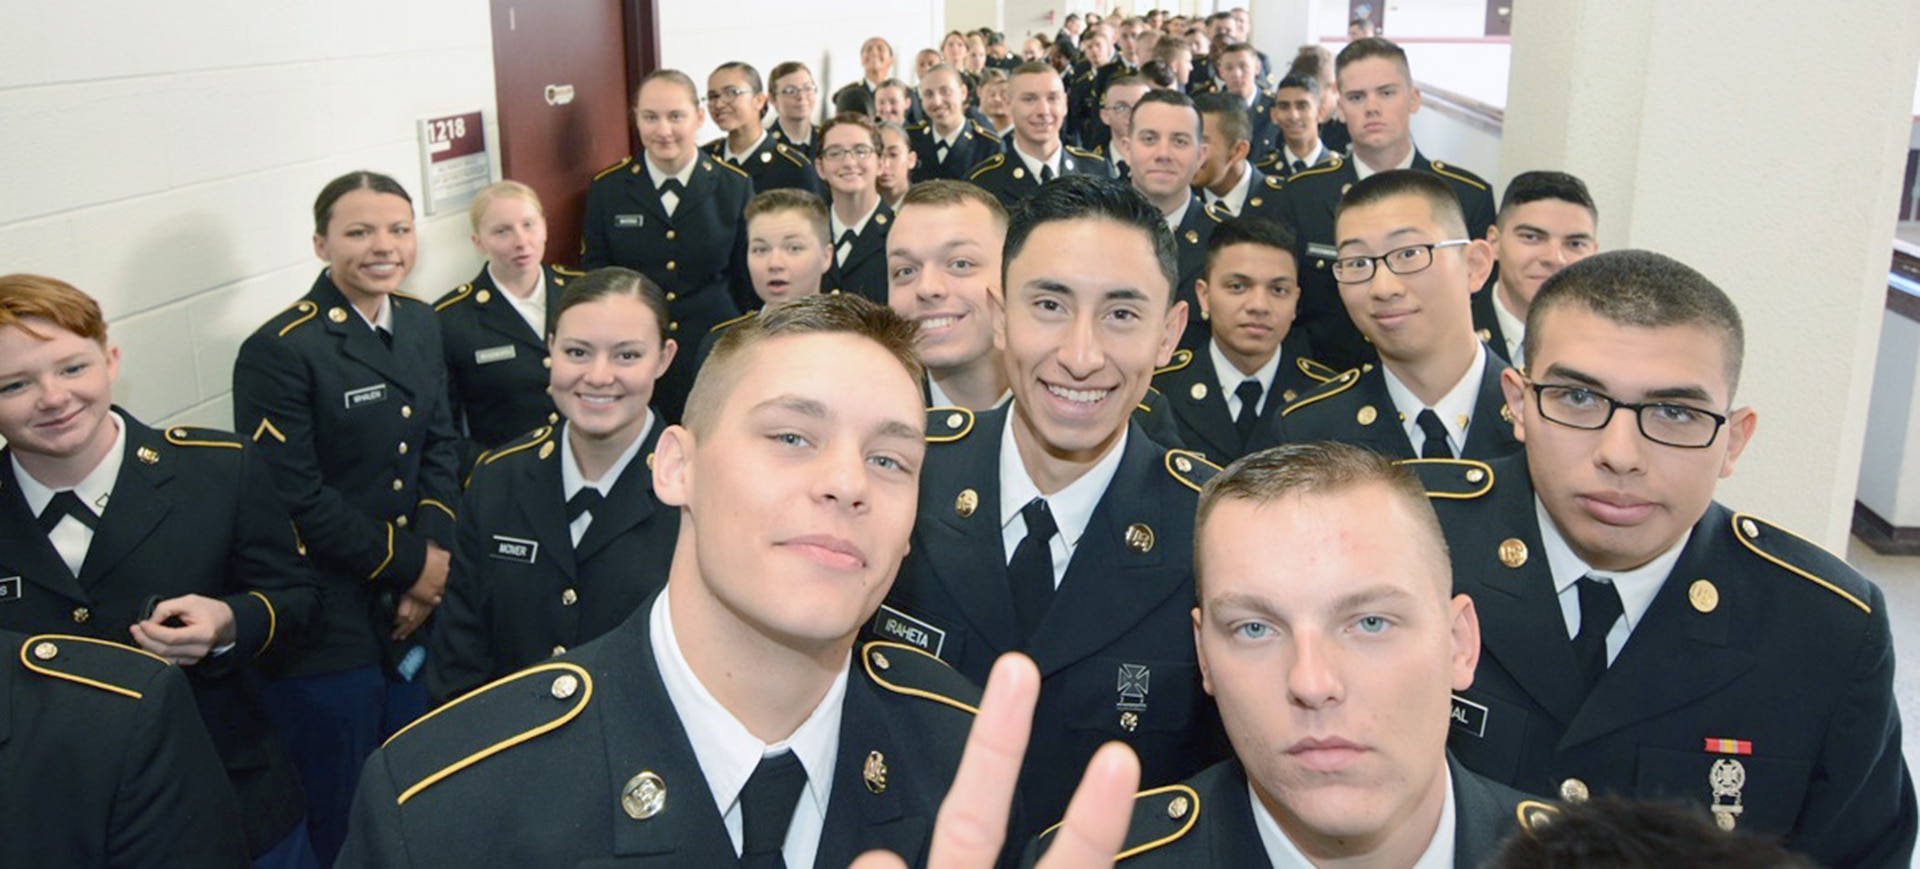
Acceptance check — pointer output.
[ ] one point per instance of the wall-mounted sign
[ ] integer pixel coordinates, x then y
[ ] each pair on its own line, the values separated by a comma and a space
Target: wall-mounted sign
453, 160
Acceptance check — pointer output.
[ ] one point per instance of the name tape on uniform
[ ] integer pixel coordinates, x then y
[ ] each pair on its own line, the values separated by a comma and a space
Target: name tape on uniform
493, 354
896, 625
9, 589
515, 549
1468, 716
365, 395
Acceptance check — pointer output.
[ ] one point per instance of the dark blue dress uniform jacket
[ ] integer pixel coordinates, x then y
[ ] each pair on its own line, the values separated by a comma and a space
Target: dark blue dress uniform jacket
1115, 649
772, 166
520, 591
974, 144
1757, 637
1193, 397
1355, 408
363, 451
497, 368
531, 771
193, 512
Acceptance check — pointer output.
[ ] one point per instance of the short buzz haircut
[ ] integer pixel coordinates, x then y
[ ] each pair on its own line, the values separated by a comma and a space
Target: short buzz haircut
947, 193
1540, 184
896, 84
1132, 79
1229, 112
612, 281
785, 199
24, 296
841, 313
849, 119
1319, 468
754, 83
1642, 289
1382, 186
1087, 197
1168, 97
1369, 47
1034, 67
787, 68
1239, 47
1302, 81
1251, 230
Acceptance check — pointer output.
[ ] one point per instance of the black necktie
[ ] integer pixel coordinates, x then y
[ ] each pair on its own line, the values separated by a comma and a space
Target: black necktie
1299, 166
64, 504
1599, 609
1436, 445
1031, 569
766, 810
1249, 394
1046, 173
586, 500
673, 186
386, 336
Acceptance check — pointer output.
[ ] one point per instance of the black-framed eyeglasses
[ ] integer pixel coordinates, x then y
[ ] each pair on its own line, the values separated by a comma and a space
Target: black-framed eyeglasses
1401, 261
1675, 425
727, 94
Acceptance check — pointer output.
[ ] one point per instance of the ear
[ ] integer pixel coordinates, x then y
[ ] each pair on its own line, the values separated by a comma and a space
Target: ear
668, 349
320, 248
1479, 263
1465, 629
113, 367
1124, 147
1200, 652
475, 238
1740, 426
1514, 385
1240, 151
1200, 290
673, 466
1414, 106
1176, 326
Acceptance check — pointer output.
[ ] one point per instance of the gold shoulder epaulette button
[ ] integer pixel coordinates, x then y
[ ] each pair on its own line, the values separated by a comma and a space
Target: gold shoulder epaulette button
484, 722
903, 669
1274, 182
624, 161
1190, 468
299, 313
109, 667
1160, 817
988, 165
1452, 479
1319, 371
1533, 815
948, 424
191, 436
1181, 359
1803, 558
1327, 390
450, 299
526, 441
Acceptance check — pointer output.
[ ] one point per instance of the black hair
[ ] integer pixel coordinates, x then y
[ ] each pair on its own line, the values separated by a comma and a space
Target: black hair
1086, 197
1252, 230
1408, 182
1540, 184
1643, 289
362, 179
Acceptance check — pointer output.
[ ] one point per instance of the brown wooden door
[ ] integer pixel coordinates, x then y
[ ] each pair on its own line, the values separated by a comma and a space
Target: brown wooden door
563, 71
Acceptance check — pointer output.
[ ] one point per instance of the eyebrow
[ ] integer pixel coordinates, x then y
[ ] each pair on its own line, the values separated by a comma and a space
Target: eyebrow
1544, 231
813, 408
1692, 392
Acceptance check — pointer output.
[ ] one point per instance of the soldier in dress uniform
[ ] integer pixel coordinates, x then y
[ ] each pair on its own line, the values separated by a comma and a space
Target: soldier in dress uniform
1640, 638
673, 214
1054, 527
1407, 272
731, 720
1378, 98
1245, 370
344, 394
1239, 70
948, 144
737, 100
1116, 112
1296, 122
849, 160
561, 537
1329, 633
897, 164
1085, 85
1036, 155
494, 329
943, 262
788, 255
173, 541
1547, 220
795, 99
107, 762
1164, 141
1226, 181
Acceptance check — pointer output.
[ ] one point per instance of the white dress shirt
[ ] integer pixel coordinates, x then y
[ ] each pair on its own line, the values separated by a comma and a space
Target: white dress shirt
1283, 854
1230, 378
1637, 587
1072, 507
1455, 409
533, 308
72, 538
1361, 169
1033, 164
572, 481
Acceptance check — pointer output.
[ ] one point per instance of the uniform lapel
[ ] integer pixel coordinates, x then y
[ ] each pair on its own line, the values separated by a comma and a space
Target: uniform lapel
859, 819
1110, 587
629, 503
1196, 397
499, 316
871, 241
642, 733
27, 552
545, 510
1676, 655
1227, 815
1520, 620
1385, 435
138, 504
966, 553
1489, 433
358, 341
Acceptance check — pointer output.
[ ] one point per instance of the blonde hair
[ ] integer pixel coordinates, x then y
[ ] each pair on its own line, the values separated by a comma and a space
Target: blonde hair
496, 192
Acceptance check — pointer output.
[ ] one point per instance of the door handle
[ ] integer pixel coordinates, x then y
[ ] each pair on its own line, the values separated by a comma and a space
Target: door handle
559, 94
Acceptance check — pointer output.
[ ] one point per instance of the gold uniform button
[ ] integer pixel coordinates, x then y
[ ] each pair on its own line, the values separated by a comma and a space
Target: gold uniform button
671, 265
81, 614
1704, 597
569, 597
1177, 809
45, 651
880, 662
670, 235
1750, 529
565, 686
398, 485
673, 326
1574, 790
1512, 552
400, 521
559, 650
1475, 475
403, 448
546, 362
406, 411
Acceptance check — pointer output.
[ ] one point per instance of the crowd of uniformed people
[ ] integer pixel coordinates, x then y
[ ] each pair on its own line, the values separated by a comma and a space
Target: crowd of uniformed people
1279, 454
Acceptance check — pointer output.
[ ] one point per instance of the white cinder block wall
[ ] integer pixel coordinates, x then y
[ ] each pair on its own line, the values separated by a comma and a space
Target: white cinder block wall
164, 158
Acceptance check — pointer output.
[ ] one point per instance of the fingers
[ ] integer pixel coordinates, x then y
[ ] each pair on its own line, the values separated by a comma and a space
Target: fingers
409, 616
878, 860
180, 646
972, 824
1095, 827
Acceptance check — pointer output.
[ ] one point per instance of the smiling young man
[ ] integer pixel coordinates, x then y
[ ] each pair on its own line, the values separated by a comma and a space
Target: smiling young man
948, 144
729, 721
1329, 633
1296, 120
1407, 272
1164, 146
1378, 99
736, 101
1640, 638
943, 272
1055, 527
1036, 154
1546, 222
1246, 371
1239, 69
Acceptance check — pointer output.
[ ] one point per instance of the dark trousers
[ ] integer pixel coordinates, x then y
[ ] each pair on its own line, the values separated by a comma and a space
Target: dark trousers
331, 722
